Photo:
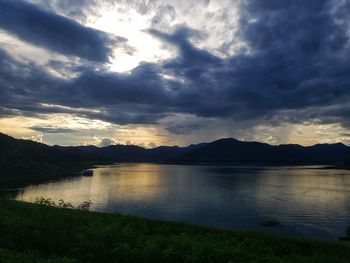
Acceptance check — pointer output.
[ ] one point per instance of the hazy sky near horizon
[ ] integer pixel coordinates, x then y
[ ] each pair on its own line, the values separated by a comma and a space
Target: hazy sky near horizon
156, 72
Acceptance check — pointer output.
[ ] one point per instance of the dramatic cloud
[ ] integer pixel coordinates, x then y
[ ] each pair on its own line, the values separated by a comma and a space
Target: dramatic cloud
106, 142
288, 65
52, 129
60, 34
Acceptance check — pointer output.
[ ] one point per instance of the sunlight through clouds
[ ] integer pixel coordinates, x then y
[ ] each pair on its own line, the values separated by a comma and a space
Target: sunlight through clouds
131, 25
160, 72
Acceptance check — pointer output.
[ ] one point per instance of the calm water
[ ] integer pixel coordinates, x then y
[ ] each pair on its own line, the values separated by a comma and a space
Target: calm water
308, 202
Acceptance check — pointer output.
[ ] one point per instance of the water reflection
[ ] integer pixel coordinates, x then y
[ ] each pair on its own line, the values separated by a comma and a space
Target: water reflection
312, 202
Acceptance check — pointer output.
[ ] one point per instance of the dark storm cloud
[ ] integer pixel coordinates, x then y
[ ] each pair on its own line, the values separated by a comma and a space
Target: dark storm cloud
138, 97
296, 69
297, 57
183, 128
296, 62
188, 55
142, 86
22, 84
30, 23
51, 129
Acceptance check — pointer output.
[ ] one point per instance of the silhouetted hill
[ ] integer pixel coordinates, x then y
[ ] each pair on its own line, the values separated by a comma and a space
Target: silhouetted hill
132, 153
28, 161
123, 153
226, 150
233, 151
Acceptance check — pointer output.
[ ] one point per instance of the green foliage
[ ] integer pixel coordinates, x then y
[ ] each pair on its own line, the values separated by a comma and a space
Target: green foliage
84, 206
45, 232
9, 256
45, 201
62, 204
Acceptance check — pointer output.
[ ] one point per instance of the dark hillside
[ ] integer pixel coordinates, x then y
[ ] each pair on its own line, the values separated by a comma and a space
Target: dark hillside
25, 161
233, 151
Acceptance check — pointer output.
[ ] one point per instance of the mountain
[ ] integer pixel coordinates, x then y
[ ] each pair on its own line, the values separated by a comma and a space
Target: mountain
24, 161
133, 153
230, 150
29, 161
227, 150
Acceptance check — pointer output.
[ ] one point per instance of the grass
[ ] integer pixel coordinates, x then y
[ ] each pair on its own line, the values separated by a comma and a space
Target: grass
9, 256
37, 233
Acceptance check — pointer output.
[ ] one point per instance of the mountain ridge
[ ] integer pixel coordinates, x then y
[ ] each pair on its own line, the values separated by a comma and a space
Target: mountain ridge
230, 150
26, 161
224, 150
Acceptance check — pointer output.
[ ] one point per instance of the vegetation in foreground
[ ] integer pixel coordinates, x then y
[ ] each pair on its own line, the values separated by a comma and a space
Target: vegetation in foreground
38, 233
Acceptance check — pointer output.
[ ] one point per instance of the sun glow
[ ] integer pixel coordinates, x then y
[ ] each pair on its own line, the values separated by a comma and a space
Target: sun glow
141, 46
69, 129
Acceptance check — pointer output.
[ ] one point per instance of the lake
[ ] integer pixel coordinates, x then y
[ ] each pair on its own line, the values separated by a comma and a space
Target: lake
306, 201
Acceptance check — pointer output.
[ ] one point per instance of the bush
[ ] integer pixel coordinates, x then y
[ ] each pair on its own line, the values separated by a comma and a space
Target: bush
84, 206
62, 204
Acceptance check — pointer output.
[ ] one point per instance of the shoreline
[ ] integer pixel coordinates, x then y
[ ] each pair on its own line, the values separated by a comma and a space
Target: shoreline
82, 236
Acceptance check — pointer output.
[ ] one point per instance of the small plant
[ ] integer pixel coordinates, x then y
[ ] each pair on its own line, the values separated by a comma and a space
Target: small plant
270, 223
62, 204
84, 206
45, 201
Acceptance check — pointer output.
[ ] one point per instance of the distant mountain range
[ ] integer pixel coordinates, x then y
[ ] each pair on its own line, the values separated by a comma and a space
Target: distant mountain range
133, 153
225, 151
234, 151
25, 158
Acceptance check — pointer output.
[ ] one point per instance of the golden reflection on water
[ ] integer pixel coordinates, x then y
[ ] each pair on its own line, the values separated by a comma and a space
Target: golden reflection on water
305, 200
134, 181
147, 182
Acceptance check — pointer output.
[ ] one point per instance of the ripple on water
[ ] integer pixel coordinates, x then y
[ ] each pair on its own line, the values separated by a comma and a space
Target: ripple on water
307, 201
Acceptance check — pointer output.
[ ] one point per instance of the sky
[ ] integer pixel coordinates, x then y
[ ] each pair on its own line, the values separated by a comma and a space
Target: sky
156, 72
